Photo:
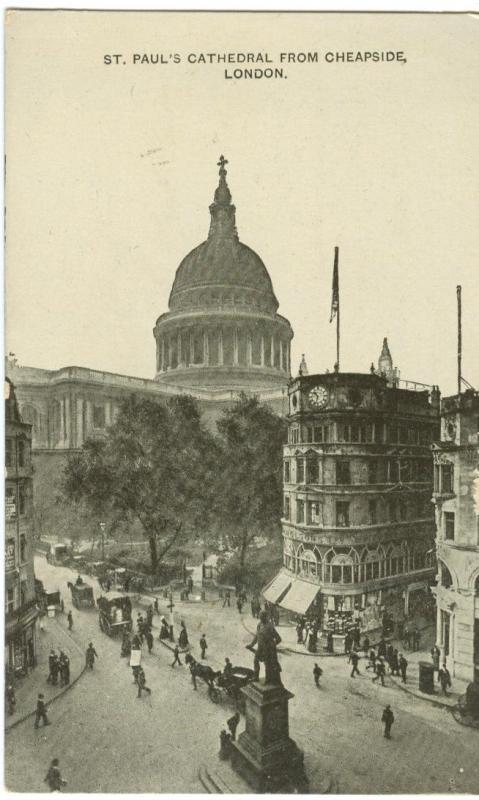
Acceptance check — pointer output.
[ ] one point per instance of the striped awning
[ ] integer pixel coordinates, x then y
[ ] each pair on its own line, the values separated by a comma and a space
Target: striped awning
277, 588
300, 596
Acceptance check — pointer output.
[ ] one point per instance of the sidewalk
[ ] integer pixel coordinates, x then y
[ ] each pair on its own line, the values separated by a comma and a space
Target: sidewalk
412, 686
54, 636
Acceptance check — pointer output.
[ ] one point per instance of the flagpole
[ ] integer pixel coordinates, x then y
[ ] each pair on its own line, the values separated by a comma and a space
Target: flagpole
336, 259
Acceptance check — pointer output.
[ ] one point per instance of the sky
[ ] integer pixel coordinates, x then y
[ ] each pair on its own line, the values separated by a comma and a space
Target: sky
111, 169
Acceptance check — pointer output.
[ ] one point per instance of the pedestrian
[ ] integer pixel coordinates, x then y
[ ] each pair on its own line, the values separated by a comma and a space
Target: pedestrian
389, 654
354, 658
70, 620
394, 663
227, 598
135, 673
239, 603
41, 711
164, 630
136, 642
403, 667
54, 668
329, 642
203, 645
176, 660
388, 719
348, 641
380, 671
382, 648
156, 606
232, 724
299, 632
190, 584
366, 644
90, 655
407, 637
10, 700
139, 624
317, 672
183, 637
141, 680
51, 662
435, 655
444, 678
416, 638
64, 662
227, 669
149, 616
372, 660
149, 639
225, 745
313, 640
356, 636
54, 777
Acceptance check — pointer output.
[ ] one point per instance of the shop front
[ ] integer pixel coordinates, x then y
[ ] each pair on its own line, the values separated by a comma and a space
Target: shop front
20, 642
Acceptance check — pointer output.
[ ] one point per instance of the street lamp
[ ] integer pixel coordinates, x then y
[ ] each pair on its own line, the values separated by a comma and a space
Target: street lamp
102, 528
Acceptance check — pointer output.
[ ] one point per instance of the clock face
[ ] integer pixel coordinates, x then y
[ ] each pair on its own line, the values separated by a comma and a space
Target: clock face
318, 396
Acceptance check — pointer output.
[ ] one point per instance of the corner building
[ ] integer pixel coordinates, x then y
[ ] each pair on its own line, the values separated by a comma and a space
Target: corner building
358, 522
20, 602
456, 498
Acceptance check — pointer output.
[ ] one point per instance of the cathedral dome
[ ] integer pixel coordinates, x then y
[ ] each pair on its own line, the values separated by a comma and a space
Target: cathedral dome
222, 329
222, 265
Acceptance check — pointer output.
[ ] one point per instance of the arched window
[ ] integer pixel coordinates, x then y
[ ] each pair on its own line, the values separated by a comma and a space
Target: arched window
445, 577
371, 564
476, 587
307, 564
341, 566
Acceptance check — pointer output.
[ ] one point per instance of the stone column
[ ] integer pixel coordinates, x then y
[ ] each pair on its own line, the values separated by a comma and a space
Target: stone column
249, 349
281, 354
272, 350
68, 438
163, 365
108, 414
89, 418
192, 346
220, 347
170, 353
79, 405
235, 347
262, 350
206, 348
178, 345
62, 420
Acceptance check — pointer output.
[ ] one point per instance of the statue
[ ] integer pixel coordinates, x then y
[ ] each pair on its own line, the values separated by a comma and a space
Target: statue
266, 640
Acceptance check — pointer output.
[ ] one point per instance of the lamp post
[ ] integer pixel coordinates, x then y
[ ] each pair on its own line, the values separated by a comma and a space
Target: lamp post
102, 528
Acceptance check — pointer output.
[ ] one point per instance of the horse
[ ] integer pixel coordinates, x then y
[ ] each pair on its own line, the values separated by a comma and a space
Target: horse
206, 673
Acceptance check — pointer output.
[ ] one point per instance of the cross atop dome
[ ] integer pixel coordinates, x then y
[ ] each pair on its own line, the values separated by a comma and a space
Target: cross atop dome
221, 165
222, 193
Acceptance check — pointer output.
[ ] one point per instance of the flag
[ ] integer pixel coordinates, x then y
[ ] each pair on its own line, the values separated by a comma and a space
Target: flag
335, 295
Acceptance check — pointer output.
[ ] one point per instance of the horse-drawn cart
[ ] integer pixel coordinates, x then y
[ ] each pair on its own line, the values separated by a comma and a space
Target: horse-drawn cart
220, 684
114, 613
82, 595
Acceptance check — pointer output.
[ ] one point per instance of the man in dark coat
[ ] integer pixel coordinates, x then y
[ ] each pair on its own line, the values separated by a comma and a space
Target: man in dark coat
402, 667
388, 719
366, 644
416, 638
330, 642
203, 645
394, 663
41, 711
149, 639
372, 660
64, 662
183, 637
382, 648
317, 672
354, 661
227, 669
176, 653
90, 655
141, 680
70, 620
380, 671
444, 678
356, 636
54, 668
348, 641
227, 598
54, 777
232, 724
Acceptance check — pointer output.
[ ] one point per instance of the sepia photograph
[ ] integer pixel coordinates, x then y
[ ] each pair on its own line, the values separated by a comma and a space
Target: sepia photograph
241, 402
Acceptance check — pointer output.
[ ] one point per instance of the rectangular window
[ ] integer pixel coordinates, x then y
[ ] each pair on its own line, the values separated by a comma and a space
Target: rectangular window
313, 512
9, 453
318, 434
368, 434
343, 472
378, 432
287, 507
449, 525
287, 472
447, 479
373, 512
308, 434
299, 510
312, 470
402, 510
393, 471
300, 470
342, 514
336, 573
10, 601
403, 435
23, 548
98, 416
373, 470
355, 433
392, 506
21, 453
21, 499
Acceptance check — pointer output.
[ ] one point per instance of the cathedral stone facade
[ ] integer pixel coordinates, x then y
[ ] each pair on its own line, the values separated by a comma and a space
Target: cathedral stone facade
221, 335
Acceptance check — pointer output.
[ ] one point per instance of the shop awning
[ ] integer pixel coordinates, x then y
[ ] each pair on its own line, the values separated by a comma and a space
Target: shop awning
277, 587
300, 596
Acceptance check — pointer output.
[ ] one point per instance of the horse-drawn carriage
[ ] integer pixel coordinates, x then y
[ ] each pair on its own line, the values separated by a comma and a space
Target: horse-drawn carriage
220, 684
114, 613
82, 595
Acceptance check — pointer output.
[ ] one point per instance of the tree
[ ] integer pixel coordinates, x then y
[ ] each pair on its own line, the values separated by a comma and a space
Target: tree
250, 475
156, 465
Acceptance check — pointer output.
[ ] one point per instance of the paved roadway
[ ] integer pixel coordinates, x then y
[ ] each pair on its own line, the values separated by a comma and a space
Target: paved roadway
108, 740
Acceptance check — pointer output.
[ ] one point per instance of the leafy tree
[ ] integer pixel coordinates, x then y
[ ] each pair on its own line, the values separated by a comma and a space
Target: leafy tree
156, 466
250, 475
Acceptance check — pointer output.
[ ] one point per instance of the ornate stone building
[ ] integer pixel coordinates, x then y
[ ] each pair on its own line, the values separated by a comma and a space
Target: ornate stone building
358, 522
456, 497
20, 603
221, 335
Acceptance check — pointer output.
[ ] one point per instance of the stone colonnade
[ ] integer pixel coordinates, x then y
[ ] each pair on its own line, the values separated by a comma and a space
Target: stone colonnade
223, 345
73, 418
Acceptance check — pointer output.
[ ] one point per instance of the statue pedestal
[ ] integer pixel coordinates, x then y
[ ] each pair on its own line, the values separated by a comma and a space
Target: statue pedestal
264, 755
